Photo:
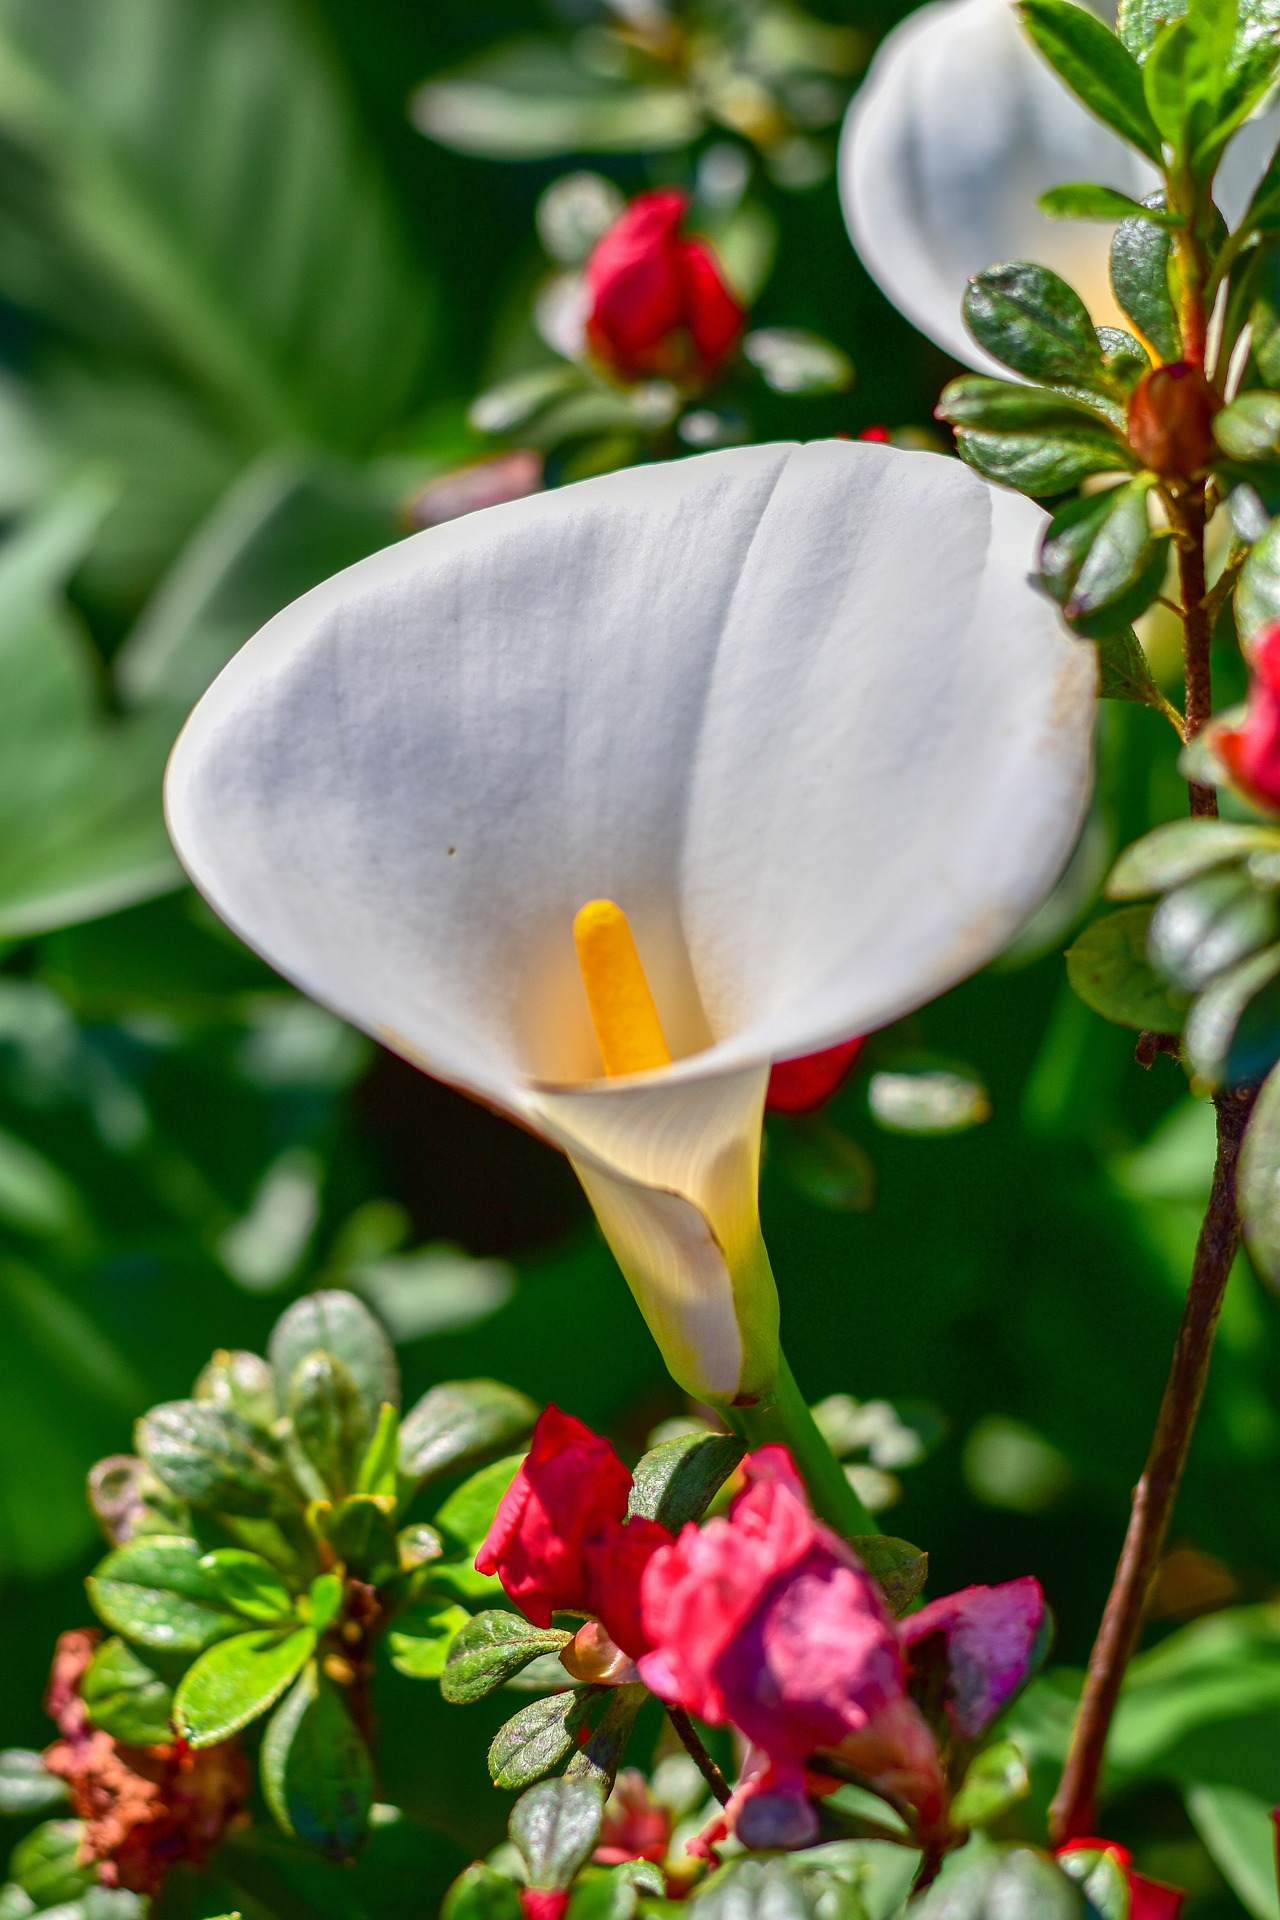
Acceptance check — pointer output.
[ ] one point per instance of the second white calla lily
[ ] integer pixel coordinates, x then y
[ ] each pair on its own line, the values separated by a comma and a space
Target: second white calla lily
958, 128
798, 710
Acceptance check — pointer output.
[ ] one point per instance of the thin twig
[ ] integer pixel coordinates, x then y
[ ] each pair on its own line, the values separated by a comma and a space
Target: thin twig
698, 1754
1072, 1814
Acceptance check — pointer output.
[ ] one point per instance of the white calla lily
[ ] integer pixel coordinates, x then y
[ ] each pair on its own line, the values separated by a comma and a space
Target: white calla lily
958, 128
797, 709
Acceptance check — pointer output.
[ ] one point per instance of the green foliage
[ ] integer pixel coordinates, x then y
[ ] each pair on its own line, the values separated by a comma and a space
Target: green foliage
237, 1680
1110, 970
1141, 253
1097, 67
556, 1827
541, 1737
1031, 320
490, 1649
676, 1481
983, 1881
455, 1425
317, 1773
127, 1696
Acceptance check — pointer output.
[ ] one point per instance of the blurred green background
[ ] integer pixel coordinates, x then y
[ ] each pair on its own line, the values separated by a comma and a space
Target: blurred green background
244, 306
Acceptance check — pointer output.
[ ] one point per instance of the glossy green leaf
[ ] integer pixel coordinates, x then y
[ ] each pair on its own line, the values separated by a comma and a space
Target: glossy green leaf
1123, 674
1233, 1028
1029, 318
245, 1582
489, 1649
457, 1423
1182, 850
378, 1472
555, 1827
156, 1591
1043, 464
1096, 66
422, 1636
1249, 429
1100, 560
242, 1381
986, 1882
676, 1481
126, 1696
1208, 924
329, 1419
1258, 589
1109, 969
26, 1788
995, 1782
467, 1515
45, 1864
335, 1322
317, 1774
1139, 21
1140, 260
481, 1893
237, 1680
1010, 406
539, 1738
211, 1456
1085, 201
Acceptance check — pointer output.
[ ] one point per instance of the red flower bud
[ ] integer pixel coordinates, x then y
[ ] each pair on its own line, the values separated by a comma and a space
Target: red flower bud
798, 1086
543, 1903
1171, 420
1251, 751
1148, 1899
659, 303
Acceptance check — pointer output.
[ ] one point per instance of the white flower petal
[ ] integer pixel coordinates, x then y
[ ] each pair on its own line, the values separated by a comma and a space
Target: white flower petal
957, 129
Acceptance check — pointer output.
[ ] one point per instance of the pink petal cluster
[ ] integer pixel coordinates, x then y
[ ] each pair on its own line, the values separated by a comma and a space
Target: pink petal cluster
659, 302
1251, 751
561, 1538
979, 1644
1148, 1899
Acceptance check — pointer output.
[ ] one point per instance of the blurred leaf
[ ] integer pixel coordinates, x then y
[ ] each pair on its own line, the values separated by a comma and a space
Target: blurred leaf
996, 1780
457, 1423
336, 1322
540, 1737
1240, 1835
928, 1100
489, 1649
212, 1457
242, 1381
1083, 200
378, 1471
156, 1591
329, 1419
45, 1863
1249, 429
676, 1481
1258, 589
316, 1771
432, 1290
1123, 674
126, 1696
35, 1196
1208, 924
361, 1532
1101, 1878
1109, 969
25, 1786
81, 831
467, 1515
1259, 1181
1182, 850
529, 99
256, 253
829, 1167
481, 1894
246, 1583
792, 360
1095, 65
1139, 21
1140, 254
899, 1569
555, 1827
985, 1882
1232, 1031
784, 1888
421, 1637
237, 1680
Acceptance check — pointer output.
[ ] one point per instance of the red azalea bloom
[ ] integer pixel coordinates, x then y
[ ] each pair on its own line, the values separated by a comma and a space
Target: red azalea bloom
971, 1651
561, 1537
798, 1086
768, 1620
1148, 1899
543, 1903
1251, 751
659, 303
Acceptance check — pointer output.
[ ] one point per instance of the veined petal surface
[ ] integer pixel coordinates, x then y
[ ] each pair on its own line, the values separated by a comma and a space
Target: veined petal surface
957, 129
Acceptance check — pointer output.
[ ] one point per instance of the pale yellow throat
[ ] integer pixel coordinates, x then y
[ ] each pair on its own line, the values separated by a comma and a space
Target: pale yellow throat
627, 1028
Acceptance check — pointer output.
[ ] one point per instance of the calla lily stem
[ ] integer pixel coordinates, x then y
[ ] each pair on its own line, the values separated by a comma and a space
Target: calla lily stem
781, 1417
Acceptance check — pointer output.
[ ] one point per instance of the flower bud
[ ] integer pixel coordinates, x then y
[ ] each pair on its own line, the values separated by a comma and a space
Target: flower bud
596, 1659
1171, 420
543, 1903
659, 302
1251, 751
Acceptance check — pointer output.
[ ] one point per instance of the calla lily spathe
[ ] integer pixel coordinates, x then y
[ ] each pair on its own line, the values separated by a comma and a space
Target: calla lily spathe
797, 709
957, 129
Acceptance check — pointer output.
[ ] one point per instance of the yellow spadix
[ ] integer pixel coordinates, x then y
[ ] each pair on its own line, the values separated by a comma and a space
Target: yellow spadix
627, 1028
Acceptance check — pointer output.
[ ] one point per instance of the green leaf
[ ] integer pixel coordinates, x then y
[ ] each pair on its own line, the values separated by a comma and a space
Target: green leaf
317, 1775
1010, 406
155, 1590
1258, 588
247, 1583
1102, 1880
1182, 850
1027, 317
378, 1469
236, 1681
783, 1888
1208, 924
1043, 464
528, 99
46, 1864
1233, 1029
335, 1322
1140, 260
1123, 674
26, 1787
362, 1533
1124, 356
457, 1423
1260, 1180
1139, 21
1240, 1836
610, 1718
1099, 559
513, 405
986, 1882
481, 1893
325, 1598
1249, 429
126, 1696
1085, 201
329, 1419
489, 1649
793, 360
555, 1827
540, 1737
676, 1481
928, 1100
1094, 64
242, 1381
422, 1636
996, 1780
81, 832
211, 1456
467, 1515
899, 1569
1109, 969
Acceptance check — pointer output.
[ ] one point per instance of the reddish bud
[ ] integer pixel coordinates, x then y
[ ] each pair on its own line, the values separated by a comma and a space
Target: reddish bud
879, 436
543, 1903
1251, 751
1171, 420
798, 1086
659, 304
1148, 1899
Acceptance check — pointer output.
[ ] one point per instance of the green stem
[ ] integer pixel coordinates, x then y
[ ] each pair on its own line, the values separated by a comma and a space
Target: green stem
782, 1417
